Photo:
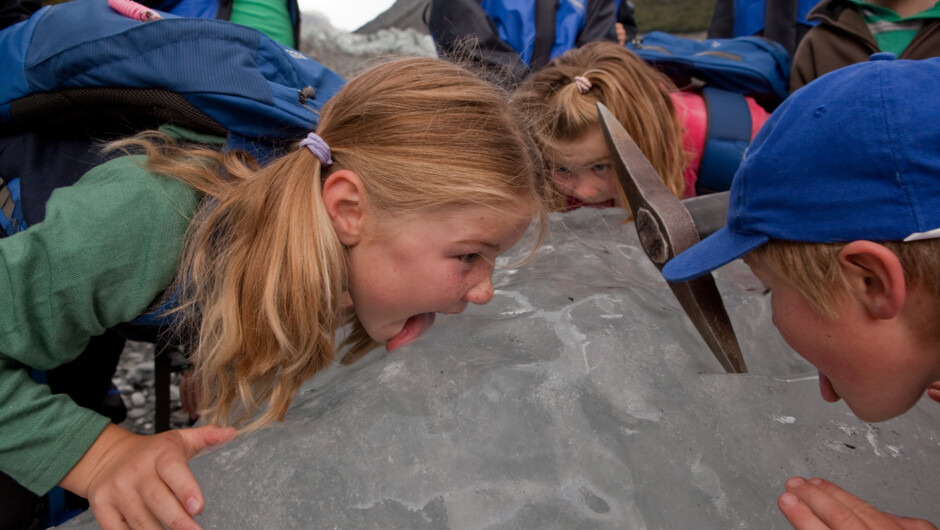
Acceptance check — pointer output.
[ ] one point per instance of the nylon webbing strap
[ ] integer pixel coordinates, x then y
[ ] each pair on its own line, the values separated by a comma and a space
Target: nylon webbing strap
544, 33
6, 200
11, 212
727, 136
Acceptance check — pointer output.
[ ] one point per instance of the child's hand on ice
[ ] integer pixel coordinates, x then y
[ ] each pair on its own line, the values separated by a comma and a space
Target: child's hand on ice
143, 481
817, 504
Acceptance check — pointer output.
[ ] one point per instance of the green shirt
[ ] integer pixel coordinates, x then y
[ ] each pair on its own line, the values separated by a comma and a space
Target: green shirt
267, 16
108, 246
891, 31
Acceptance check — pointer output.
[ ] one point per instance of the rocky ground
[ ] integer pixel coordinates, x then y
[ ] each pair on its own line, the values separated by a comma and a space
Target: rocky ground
134, 378
349, 54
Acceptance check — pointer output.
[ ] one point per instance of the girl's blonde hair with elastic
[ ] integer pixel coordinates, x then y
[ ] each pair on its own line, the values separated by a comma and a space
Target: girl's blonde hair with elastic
263, 273
636, 94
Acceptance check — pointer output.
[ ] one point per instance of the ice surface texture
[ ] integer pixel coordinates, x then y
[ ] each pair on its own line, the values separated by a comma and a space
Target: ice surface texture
580, 397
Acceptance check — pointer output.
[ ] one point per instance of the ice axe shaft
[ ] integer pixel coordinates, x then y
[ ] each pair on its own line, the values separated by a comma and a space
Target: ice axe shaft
708, 212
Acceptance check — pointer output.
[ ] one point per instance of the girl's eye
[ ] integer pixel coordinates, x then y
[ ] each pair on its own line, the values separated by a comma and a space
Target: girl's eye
599, 168
469, 259
562, 170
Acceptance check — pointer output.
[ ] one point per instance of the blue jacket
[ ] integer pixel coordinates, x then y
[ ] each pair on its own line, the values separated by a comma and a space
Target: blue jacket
519, 35
782, 21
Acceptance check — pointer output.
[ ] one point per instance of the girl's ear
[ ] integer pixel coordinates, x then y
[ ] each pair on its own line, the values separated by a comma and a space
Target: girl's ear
876, 276
343, 198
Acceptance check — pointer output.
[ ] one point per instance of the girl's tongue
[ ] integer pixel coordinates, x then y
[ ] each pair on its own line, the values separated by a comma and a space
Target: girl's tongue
413, 329
826, 389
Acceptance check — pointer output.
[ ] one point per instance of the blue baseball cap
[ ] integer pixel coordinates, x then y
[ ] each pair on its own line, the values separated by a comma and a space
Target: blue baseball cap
853, 155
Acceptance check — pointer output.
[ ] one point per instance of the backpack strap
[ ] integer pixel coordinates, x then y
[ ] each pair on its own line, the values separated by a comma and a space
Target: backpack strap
57, 512
544, 33
157, 317
726, 137
11, 211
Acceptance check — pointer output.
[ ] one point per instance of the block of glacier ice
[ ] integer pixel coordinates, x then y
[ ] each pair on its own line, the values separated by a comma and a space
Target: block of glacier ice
580, 397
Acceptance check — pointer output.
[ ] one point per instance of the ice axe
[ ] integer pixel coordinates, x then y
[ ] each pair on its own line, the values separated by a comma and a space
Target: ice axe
666, 226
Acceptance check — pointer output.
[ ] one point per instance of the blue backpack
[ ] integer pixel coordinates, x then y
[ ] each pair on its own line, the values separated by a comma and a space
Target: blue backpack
81, 67
725, 70
82, 71
753, 66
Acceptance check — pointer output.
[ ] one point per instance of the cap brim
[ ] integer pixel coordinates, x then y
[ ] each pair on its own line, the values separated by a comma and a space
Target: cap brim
720, 248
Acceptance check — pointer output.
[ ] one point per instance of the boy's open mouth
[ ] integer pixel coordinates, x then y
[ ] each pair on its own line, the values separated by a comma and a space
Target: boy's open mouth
412, 329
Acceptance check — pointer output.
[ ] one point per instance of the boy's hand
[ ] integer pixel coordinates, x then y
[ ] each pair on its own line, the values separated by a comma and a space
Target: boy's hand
817, 504
143, 481
621, 33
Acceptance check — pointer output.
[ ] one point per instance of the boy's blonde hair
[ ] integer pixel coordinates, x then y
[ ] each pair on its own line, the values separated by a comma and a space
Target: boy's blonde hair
263, 273
813, 269
636, 94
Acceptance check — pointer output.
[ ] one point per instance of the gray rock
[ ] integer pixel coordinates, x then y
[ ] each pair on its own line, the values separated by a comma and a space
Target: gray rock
404, 14
348, 54
136, 413
138, 399
141, 374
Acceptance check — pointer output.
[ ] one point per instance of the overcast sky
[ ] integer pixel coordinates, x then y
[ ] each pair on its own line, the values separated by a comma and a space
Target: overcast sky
347, 14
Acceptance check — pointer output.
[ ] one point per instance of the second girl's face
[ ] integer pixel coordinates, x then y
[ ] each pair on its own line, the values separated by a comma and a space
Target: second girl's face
582, 169
405, 270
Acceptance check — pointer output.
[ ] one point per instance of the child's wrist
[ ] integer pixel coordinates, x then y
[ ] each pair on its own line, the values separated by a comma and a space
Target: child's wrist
79, 479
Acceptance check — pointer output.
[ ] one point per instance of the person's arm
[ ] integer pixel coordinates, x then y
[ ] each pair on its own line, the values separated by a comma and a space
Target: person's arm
41, 435
817, 504
600, 23
463, 28
108, 246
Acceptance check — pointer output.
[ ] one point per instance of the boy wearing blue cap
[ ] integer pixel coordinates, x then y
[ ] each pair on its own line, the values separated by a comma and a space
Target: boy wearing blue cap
836, 209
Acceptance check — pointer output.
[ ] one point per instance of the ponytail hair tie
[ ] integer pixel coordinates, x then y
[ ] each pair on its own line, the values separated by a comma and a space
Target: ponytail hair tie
583, 84
318, 147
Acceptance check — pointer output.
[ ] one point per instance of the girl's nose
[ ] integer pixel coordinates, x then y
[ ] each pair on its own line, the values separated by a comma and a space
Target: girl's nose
482, 292
586, 189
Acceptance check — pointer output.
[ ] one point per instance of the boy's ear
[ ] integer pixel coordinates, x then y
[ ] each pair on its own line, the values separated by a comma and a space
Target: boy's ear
876, 276
343, 199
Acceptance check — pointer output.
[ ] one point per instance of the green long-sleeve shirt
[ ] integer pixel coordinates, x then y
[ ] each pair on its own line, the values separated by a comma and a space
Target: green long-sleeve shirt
108, 246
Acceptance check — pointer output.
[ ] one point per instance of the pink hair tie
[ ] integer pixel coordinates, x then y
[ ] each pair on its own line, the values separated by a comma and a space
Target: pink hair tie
583, 84
318, 147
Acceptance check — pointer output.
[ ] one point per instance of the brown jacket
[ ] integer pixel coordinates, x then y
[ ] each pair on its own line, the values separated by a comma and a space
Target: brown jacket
841, 38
